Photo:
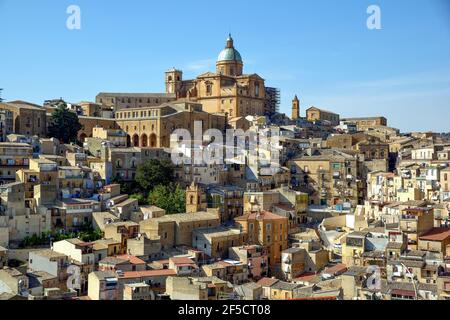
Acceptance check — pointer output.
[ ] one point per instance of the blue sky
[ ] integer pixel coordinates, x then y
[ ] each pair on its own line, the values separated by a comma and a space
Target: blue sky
320, 50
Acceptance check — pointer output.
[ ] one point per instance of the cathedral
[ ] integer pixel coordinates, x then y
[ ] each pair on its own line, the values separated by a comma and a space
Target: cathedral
228, 90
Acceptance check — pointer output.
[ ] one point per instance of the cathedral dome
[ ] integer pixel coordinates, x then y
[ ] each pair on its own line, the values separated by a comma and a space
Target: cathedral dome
229, 53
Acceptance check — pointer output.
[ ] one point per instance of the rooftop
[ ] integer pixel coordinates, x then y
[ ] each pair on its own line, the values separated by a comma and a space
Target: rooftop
263, 215
48, 253
436, 234
147, 273
267, 282
217, 232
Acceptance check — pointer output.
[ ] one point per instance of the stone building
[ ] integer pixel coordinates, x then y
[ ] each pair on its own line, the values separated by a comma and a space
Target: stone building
227, 90
28, 118
176, 229
316, 114
119, 101
365, 123
153, 126
329, 179
6, 124
268, 230
13, 157
89, 123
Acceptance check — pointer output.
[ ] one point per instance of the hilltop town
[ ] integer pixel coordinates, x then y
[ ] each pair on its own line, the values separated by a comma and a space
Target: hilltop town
352, 209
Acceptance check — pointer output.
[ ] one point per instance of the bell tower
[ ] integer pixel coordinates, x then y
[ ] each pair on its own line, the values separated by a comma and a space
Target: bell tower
195, 199
295, 108
174, 78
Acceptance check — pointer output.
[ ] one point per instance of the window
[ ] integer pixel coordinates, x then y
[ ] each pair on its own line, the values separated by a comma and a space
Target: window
208, 89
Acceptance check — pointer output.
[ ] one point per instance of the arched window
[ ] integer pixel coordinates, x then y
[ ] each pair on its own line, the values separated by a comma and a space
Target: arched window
135, 140
144, 140
209, 89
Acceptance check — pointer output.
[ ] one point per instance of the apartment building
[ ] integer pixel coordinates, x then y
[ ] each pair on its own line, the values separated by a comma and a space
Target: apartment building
416, 222
268, 230
103, 285
329, 179
121, 231
216, 241
254, 256
13, 157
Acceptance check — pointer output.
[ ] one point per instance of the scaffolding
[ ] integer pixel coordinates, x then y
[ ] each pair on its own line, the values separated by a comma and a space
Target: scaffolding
272, 104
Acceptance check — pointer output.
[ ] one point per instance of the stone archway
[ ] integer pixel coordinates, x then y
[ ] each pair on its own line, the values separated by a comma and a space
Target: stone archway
144, 140
82, 137
135, 140
153, 141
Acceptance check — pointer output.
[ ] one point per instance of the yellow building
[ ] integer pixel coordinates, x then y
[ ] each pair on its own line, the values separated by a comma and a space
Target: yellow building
316, 114
228, 90
329, 179
13, 157
41, 171
177, 229
152, 126
215, 242
266, 229
283, 290
353, 248
28, 118
366, 123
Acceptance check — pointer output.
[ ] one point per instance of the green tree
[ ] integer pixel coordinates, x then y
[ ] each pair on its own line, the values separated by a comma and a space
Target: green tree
142, 200
154, 172
64, 124
168, 197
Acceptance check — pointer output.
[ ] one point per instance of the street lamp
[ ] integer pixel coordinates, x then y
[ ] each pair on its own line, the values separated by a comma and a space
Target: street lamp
412, 278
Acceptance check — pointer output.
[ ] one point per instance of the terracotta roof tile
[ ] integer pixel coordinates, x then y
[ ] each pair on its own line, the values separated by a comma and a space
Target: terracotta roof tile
436, 234
267, 282
147, 273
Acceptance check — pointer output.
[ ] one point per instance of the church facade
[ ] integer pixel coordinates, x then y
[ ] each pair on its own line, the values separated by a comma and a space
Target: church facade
227, 90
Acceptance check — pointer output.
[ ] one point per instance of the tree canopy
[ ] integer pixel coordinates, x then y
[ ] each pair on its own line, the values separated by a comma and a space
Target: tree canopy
171, 198
64, 124
154, 172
